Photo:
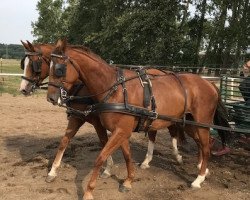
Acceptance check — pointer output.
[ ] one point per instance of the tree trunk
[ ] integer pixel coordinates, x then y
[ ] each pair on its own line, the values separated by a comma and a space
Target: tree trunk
200, 32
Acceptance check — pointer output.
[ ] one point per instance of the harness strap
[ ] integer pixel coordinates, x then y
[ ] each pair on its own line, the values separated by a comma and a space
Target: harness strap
55, 85
124, 89
147, 98
28, 79
138, 111
184, 93
78, 99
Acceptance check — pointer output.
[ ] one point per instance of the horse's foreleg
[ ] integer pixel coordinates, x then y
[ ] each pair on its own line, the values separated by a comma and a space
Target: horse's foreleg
205, 153
118, 137
73, 126
149, 155
126, 186
103, 137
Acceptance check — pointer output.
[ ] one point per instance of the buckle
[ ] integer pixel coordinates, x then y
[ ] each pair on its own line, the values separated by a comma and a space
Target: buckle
155, 115
87, 112
64, 94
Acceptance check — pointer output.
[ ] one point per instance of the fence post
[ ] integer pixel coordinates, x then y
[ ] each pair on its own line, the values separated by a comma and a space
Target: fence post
1, 60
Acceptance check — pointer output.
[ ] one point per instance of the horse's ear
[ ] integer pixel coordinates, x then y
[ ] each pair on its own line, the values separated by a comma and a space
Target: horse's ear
64, 44
25, 45
61, 45
31, 46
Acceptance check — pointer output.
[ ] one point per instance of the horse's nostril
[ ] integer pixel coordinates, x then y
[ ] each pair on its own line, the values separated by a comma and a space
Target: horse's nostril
51, 100
24, 92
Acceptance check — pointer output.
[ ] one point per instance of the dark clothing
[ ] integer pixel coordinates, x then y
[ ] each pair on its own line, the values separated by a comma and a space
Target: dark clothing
245, 89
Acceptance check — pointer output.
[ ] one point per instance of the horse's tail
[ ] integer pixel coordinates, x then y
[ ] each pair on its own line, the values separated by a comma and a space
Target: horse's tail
221, 118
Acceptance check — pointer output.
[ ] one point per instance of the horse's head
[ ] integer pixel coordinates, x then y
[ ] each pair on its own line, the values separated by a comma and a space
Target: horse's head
62, 75
35, 66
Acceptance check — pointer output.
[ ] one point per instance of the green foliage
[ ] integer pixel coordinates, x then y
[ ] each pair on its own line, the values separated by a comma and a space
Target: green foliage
149, 32
52, 21
11, 51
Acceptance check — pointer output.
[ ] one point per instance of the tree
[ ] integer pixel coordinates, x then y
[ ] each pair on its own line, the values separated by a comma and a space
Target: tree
150, 32
52, 21
139, 32
85, 20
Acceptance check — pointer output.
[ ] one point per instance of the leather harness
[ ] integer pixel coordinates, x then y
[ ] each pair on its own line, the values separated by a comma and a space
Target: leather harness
146, 115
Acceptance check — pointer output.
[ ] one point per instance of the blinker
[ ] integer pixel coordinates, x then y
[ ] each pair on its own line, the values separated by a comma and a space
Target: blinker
22, 62
37, 66
60, 70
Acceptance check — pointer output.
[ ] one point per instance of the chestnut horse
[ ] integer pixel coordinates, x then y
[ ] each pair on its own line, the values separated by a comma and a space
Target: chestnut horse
168, 90
39, 56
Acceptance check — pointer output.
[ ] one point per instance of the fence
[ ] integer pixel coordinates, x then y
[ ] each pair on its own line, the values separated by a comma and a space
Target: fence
204, 71
238, 107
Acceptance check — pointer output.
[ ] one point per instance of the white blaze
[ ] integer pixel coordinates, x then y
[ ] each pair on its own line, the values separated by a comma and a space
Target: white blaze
24, 82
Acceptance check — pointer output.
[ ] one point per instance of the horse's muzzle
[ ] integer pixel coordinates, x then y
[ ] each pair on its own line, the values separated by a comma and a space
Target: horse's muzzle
25, 92
52, 99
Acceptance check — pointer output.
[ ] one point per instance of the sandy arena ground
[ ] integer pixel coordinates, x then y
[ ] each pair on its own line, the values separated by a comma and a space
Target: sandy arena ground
30, 131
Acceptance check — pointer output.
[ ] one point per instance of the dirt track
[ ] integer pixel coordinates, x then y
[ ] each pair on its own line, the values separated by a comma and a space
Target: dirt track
30, 131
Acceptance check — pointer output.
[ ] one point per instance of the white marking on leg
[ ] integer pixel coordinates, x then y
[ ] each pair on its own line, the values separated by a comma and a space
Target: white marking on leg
52, 171
175, 151
149, 155
207, 172
56, 163
199, 165
197, 182
109, 166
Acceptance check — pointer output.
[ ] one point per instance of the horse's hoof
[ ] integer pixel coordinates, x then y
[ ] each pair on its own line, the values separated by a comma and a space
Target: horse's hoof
50, 179
124, 189
144, 166
105, 175
88, 196
195, 185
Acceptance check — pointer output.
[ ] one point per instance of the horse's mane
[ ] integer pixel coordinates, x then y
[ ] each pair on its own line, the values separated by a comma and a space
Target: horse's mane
81, 47
86, 50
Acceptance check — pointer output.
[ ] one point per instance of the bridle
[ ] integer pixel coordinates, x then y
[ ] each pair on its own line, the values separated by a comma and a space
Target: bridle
60, 72
36, 68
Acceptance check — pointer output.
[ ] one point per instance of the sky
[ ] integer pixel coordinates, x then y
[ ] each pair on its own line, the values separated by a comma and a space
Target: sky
15, 20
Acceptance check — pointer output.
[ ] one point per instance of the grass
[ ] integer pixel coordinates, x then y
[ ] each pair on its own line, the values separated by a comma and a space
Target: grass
10, 84
10, 66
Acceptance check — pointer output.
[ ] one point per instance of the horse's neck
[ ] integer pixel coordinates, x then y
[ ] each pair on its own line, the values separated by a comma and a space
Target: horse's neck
96, 74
